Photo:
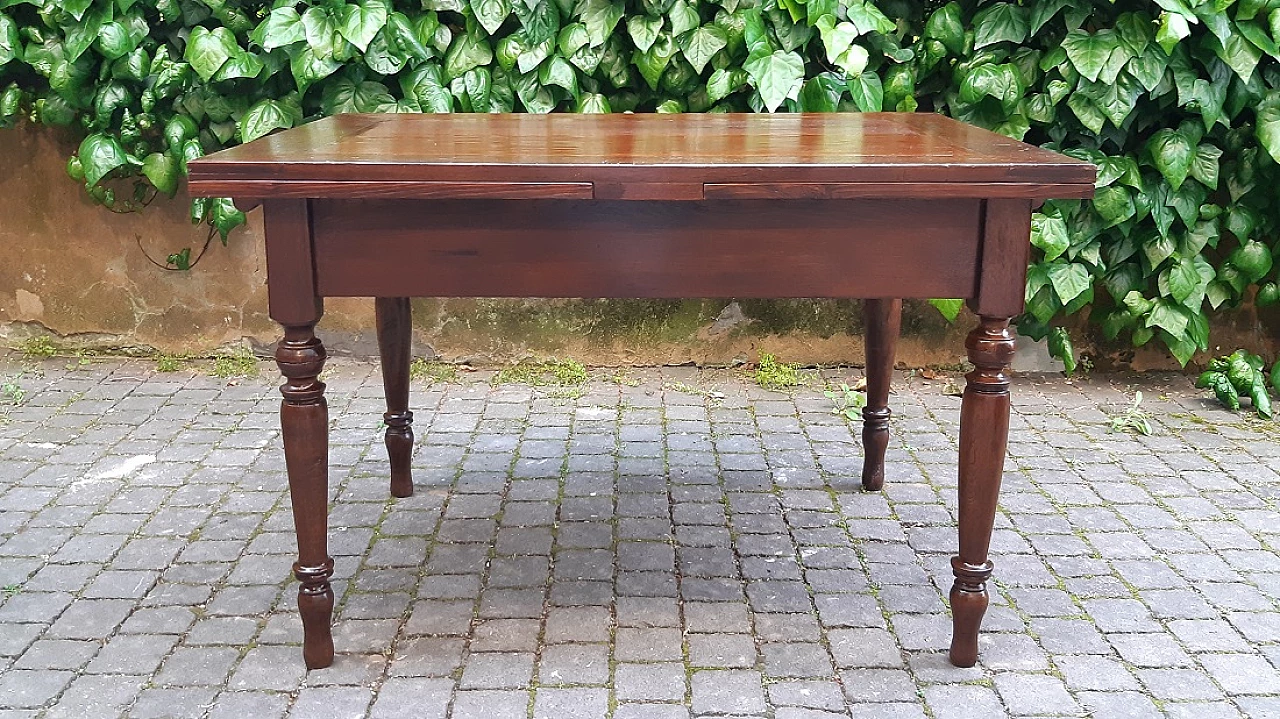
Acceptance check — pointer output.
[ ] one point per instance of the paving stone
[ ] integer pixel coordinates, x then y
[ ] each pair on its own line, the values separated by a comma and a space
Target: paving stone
96, 696
264, 705
497, 671
1035, 694
173, 703
30, 688
574, 664
1095, 672
960, 701
878, 685
727, 691
571, 704
332, 702
1242, 673
412, 699
664, 681
195, 666
132, 654
489, 704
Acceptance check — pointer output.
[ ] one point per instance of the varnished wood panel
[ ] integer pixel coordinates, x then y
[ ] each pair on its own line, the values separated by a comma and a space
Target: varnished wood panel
641, 150
410, 190
864, 190
846, 248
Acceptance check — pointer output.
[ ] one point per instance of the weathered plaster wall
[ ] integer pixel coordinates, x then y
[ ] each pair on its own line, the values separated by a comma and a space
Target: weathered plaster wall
73, 269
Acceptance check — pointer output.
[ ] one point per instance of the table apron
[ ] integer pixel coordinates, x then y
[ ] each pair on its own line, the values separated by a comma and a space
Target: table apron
714, 248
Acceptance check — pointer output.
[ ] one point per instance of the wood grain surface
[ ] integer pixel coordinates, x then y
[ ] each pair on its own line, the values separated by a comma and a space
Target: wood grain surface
346, 154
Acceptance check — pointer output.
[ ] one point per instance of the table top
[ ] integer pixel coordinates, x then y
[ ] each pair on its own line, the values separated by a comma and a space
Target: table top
385, 155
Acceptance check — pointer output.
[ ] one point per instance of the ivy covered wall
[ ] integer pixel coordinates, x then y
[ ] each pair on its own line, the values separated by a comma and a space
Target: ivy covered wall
1177, 101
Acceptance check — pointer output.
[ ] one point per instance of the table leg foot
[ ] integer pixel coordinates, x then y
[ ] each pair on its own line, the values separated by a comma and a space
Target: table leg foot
984, 436
883, 318
394, 328
968, 605
315, 605
304, 424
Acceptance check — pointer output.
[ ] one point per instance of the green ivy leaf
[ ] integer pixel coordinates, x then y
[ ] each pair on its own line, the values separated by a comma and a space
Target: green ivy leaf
1240, 55
10, 42
1049, 234
1089, 53
1069, 280
321, 31
467, 52
592, 103
100, 155
777, 76
1168, 316
867, 92
725, 82
820, 93
80, 36
944, 25
224, 216
1173, 30
643, 30
1268, 128
426, 85
208, 50
1114, 204
1172, 155
360, 23
162, 170
344, 94
308, 68
868, 18
1060, 346
600, 17
702, 44
560, 73
491, 13
1002, 22
1157, 249
1204, 166
263, 117
683, 18
652, 62
996, 81
1180, 279
950, 309
1253, 259
281, 28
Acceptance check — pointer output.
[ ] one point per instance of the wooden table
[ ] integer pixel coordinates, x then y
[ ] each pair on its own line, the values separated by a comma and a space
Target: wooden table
872, 206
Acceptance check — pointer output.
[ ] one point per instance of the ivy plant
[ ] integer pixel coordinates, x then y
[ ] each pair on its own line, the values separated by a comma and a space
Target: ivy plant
1177, 101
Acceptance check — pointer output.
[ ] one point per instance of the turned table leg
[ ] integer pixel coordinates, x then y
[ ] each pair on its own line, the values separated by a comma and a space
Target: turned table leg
984, 435
304, 422
394, 323
882, 318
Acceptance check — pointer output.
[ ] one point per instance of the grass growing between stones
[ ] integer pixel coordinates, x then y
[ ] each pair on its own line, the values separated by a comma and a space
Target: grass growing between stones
432, 371
544, 373
11, 392
775, 375
38, 348
170, 363
238, 363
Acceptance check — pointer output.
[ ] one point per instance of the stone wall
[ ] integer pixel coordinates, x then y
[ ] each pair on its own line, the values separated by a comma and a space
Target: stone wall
77, 271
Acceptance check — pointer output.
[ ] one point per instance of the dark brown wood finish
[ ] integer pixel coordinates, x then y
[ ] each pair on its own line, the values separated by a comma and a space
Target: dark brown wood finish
394, 334
883, 319
848, 248
873, 206
304, 417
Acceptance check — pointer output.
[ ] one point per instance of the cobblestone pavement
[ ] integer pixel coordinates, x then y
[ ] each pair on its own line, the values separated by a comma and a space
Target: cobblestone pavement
687, 545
